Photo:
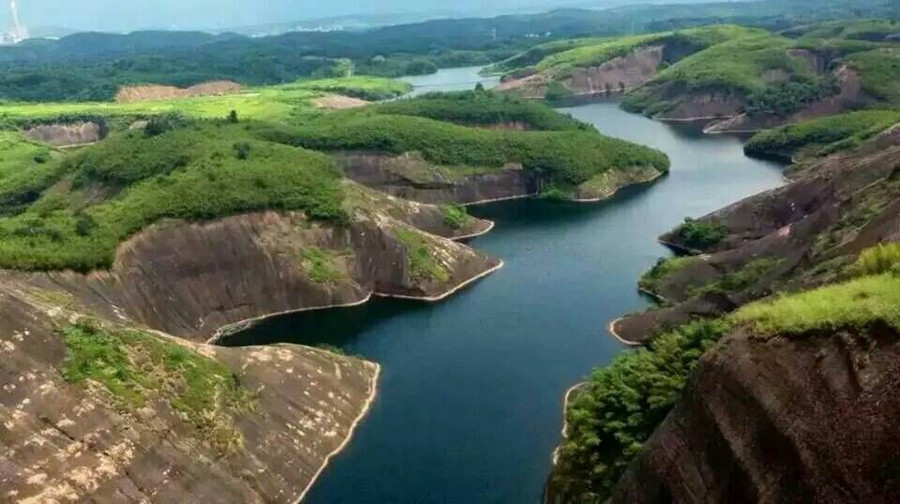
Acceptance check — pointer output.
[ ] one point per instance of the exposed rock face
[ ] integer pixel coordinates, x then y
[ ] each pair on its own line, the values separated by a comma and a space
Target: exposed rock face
701, 106
66, 135
411, 177
838, 207
192, 279
77, 441
849, 97
607, 184
67, 442
128, 94
618, 74
807, 419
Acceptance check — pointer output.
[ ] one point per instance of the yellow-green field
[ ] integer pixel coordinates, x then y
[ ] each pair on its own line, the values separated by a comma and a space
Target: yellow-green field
271, 103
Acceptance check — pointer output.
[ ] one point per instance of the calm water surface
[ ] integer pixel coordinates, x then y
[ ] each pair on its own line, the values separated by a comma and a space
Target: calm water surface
469, 409
451, 79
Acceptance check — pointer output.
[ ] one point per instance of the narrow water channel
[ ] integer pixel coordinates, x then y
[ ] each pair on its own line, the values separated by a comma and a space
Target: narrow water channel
469, 408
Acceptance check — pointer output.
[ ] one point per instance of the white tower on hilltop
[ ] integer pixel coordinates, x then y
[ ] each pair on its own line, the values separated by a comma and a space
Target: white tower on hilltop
18, 32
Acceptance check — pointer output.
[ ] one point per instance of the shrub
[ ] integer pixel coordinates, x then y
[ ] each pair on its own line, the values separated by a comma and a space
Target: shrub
455, 216
877, 260
701, 234
242, 150
138, 368
621, 405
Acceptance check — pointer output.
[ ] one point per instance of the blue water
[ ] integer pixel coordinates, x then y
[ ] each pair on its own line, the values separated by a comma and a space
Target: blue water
469, 409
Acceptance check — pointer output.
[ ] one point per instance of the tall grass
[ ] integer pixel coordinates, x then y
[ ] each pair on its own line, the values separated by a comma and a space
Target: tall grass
856, 304
883, 258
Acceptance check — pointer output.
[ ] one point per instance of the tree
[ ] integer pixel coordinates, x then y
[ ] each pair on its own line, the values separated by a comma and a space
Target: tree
233, 116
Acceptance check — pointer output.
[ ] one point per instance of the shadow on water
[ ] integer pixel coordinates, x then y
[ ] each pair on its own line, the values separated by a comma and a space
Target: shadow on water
340, 327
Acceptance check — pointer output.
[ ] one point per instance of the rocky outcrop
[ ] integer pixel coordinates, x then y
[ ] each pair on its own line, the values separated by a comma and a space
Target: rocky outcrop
703, 106
849, 97
607, 184
67, 135
178, 284
411, 177
797, 236
800, 419
150, 92
191, 279
618, 75
78, 442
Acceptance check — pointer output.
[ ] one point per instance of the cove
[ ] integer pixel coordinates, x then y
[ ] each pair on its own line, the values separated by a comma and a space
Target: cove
470, 399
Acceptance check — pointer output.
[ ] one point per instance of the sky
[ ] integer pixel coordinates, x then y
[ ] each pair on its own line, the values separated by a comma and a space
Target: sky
126, 15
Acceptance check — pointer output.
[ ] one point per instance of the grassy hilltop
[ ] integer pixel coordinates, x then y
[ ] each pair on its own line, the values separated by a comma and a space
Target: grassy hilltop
193, 159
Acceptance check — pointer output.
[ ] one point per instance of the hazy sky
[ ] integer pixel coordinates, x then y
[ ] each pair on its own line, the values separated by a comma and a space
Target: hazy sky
122, 15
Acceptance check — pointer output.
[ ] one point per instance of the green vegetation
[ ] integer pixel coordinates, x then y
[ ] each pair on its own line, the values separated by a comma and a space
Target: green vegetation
569, 158
857, 304
365, 88
319, 265
482, 108
663, 269
280, 103
621, 405
883, 258
736, 281
738, 65
880, 73
824, 135
138, 370
92, 200
423, 266
538, 53
589, 55
455, 216
701, 234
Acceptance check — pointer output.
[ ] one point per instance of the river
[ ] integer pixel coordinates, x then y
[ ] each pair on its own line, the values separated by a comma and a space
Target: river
470, 402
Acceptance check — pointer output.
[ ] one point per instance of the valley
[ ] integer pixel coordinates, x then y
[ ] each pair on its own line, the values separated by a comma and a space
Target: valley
584, 264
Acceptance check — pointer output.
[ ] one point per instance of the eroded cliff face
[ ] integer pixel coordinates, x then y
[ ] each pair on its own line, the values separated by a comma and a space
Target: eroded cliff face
803, 419
615, 76
76, 442
773, 418
191, 279
67, 135
411, 177
119, 427
795, 237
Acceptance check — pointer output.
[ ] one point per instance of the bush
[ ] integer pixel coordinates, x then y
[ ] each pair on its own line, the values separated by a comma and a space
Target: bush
877, 260
242, 150
620, 407
455, 216
701, 234
482, 108
565, 157
189, 173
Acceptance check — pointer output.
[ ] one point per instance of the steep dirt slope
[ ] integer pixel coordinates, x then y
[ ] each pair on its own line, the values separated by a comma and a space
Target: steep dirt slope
67, 135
